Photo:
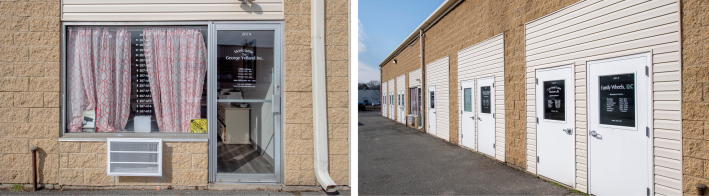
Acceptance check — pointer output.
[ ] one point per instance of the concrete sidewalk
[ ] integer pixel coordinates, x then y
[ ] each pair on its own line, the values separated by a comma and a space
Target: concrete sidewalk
397, 160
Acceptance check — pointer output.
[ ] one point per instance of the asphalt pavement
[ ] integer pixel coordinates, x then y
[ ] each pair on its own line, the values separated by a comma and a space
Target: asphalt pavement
398, 160
160, 192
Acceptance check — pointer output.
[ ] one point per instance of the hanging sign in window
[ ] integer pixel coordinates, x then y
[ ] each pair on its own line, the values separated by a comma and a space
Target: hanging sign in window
485, 99
554, 100
617, 100
142, 99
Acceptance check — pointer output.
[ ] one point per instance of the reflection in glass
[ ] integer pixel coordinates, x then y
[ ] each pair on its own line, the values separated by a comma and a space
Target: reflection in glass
135, 79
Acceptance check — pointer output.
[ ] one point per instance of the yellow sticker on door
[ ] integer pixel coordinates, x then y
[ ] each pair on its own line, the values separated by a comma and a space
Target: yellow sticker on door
198, 126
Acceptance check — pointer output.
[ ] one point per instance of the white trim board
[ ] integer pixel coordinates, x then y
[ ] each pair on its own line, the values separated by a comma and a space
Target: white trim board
485, 59
595, 30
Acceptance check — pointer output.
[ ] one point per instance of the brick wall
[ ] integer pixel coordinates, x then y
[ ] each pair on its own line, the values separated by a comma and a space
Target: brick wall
29, 89
298, 130
695, 94
84, 163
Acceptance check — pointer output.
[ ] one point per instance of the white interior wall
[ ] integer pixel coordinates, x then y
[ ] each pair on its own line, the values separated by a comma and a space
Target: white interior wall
594, 30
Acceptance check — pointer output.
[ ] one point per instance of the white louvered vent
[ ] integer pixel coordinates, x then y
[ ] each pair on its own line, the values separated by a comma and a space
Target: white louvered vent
134, 157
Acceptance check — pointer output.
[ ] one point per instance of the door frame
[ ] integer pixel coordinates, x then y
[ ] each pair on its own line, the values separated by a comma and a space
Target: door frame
278, 123
572, 110
478, 113
649, 105
428, 109
474, 109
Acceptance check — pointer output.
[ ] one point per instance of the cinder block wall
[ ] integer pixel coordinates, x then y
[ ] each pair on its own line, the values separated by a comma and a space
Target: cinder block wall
84, 163
695, 95
472, 22
407, 61
29, 89
298, 114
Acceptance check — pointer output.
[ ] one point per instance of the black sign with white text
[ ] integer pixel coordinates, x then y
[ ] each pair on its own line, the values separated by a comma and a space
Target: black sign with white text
485, 99
554, 100
617, 100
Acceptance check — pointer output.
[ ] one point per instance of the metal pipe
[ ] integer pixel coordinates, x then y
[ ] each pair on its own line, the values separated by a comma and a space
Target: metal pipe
317, 35
701, 188
422, 102
34, 168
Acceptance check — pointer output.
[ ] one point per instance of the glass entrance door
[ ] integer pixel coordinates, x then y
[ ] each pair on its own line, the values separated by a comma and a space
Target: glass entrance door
247, 139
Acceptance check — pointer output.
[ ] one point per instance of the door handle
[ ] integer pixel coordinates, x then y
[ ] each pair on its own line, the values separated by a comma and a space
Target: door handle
568, 131
472, 117
480, 119
596, 135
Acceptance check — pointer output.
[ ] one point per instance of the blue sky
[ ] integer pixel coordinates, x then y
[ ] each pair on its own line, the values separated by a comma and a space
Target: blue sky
383, 25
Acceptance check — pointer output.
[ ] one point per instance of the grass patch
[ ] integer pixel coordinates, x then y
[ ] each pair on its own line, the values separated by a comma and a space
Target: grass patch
17, 187
579, 192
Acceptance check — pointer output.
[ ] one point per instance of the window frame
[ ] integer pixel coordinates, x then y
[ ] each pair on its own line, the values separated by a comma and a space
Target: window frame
170, 137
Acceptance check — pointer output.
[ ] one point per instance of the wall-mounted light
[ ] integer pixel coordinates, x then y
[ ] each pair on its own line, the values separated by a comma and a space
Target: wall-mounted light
394, 61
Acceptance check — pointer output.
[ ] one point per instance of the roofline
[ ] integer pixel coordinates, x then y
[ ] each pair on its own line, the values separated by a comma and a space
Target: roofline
425, 25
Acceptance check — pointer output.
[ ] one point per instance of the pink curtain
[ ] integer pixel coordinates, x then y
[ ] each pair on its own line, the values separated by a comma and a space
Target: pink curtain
176, 64
98, 64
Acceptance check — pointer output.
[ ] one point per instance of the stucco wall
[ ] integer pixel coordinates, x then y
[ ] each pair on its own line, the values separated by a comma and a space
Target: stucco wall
29, 89
695, 95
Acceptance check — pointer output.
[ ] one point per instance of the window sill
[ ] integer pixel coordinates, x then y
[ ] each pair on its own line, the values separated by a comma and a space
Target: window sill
166, 137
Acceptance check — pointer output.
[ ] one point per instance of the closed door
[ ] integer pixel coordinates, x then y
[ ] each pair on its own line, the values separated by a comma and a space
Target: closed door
619, 129
486, 115
555, 127
431, 110
402, 116
384, 104
392, 111
247, 147
468, 119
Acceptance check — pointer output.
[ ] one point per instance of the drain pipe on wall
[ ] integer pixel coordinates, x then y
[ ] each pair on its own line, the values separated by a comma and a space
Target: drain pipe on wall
317, 47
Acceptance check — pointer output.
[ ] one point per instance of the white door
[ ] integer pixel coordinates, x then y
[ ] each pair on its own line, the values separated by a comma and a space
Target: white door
486, 115
431, 110
619, 136
392, 105
468, 119
383, 103
402, 117
555, 124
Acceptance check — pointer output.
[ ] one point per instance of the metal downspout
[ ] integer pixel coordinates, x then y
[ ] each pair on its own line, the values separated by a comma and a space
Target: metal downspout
423, 84
317, 45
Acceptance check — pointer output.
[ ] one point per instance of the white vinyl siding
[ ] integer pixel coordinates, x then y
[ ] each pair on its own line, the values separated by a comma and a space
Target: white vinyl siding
392, 92
437, 73
415, 78
400, 87
170, 10
385, 102
482, 60
594, 30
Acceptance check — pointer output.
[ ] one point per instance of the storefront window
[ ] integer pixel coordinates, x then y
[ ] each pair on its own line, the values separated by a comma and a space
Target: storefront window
136, 79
